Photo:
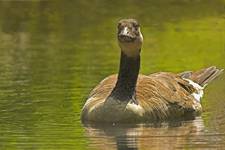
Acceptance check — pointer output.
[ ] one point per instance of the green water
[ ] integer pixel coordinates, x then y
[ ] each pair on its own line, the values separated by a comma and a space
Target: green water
52, 53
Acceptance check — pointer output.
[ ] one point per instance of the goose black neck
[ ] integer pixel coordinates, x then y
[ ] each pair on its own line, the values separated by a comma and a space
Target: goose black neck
124, 89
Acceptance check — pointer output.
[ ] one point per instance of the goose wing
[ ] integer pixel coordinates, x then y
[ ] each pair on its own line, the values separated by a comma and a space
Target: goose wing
162, 95
166, 95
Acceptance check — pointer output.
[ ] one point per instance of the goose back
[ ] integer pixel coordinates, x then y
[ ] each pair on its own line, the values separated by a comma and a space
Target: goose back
160, 96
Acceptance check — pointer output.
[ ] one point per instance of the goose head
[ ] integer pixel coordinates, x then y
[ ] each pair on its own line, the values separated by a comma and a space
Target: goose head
129, 36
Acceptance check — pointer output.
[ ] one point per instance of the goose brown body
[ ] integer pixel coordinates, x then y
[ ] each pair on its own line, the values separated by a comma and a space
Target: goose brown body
132, 97
161, 96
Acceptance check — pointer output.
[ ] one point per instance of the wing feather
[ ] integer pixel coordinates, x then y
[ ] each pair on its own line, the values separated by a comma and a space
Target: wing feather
162, 95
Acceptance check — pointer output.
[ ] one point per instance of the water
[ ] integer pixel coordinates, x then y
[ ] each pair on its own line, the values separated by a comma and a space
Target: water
53, 53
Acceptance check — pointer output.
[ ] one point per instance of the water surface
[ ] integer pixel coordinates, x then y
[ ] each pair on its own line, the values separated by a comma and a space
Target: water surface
53, 53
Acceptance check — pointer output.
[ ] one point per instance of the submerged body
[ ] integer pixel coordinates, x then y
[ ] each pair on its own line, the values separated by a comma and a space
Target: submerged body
132, 97
160, 96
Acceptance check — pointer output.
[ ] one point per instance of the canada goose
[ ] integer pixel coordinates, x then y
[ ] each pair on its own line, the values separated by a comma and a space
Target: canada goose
132, 97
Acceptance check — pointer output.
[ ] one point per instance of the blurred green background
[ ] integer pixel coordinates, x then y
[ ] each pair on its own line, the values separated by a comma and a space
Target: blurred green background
53, 52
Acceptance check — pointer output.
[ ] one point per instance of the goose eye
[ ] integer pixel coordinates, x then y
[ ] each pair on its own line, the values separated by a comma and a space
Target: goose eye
119, 25
136, 25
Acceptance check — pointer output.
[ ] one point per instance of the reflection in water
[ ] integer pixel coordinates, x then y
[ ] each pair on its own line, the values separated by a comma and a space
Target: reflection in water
150, 136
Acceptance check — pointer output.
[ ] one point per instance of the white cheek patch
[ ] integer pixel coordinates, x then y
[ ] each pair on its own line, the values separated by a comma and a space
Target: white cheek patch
141, 36
132, 48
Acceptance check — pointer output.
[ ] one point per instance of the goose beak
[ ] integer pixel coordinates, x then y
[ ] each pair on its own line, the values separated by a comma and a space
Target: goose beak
124, 31
125, 35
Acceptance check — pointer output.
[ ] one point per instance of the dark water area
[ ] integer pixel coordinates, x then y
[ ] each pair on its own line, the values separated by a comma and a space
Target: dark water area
52, 53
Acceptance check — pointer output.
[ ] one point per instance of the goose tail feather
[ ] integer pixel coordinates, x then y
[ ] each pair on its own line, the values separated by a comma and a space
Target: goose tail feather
202, 77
